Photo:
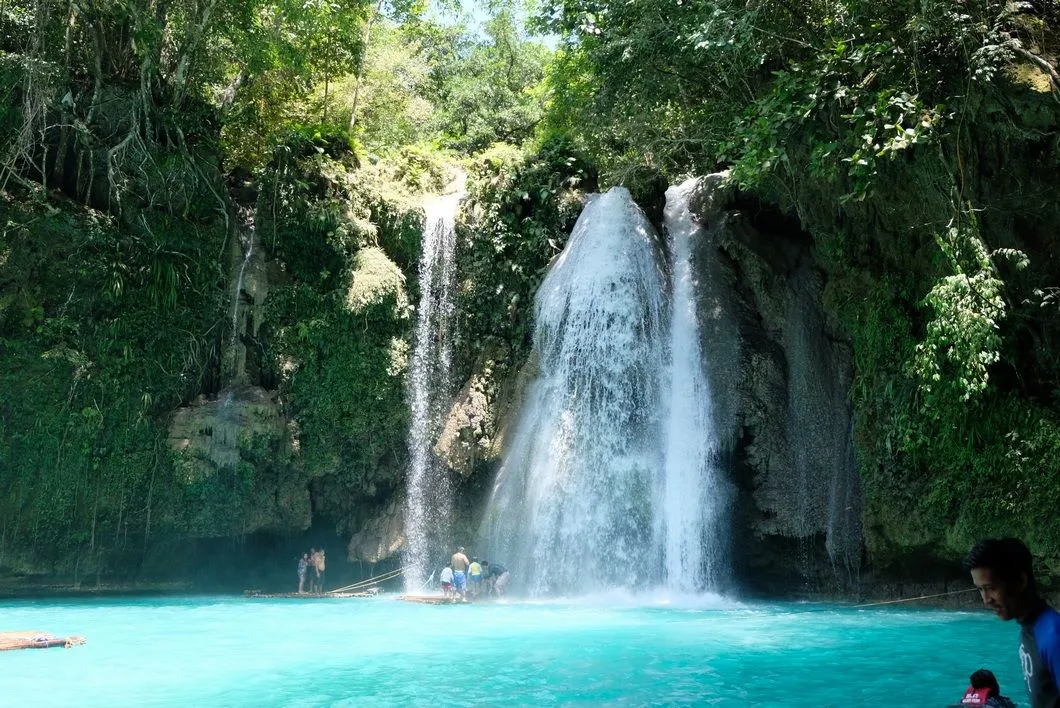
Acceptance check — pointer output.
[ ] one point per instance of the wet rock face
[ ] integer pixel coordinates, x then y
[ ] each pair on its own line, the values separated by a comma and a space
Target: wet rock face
233, 455
484, 411
468, 433
207, 433
380, 537
780, 377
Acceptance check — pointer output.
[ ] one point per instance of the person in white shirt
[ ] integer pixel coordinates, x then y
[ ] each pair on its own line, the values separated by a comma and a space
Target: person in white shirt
446, 579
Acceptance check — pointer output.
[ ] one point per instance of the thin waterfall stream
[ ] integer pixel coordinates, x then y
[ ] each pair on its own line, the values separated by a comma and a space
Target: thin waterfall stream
695, 496
246, 220
429, 494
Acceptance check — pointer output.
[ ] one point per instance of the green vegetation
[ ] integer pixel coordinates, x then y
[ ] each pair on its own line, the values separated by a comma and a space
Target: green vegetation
143, 147
519, 212
916, 142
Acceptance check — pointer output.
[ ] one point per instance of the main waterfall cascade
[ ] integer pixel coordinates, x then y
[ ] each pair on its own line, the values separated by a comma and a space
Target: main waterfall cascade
601, 486
572, 509
429, 496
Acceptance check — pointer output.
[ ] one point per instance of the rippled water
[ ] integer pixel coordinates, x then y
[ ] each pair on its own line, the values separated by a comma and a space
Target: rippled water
381, 652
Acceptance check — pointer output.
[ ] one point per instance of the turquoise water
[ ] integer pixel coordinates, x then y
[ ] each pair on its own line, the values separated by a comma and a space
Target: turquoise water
381, 652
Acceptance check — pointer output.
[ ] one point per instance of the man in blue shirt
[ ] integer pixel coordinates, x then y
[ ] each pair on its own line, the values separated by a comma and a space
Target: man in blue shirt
1002, 570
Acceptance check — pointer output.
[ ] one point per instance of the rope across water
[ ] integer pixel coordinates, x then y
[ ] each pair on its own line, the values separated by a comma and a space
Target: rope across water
914, 599
367, 583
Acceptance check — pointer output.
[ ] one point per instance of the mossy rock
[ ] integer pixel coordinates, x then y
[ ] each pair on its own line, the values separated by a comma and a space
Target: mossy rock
376, 280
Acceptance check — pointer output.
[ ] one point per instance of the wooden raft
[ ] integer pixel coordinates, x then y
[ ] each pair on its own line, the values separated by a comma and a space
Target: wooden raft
257, 595
432, 599
30, 639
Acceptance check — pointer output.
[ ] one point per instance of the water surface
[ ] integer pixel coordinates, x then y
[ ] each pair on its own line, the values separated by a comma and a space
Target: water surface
381, 652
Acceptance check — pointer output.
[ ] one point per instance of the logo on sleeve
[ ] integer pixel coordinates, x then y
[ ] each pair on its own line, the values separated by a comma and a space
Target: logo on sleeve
1028, 665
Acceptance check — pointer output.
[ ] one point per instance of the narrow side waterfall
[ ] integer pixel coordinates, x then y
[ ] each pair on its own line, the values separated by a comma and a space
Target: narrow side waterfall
234, 363
246, 219
695, 494
573, 506
429, 495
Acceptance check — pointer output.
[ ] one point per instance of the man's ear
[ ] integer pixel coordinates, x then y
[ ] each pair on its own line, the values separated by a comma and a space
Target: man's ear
1024, 582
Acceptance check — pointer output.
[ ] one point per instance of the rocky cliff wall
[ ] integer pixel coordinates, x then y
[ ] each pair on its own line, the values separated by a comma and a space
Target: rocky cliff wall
780, 375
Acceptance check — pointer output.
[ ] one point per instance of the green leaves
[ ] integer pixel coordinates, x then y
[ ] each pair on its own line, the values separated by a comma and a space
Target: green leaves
517, 217
962, 340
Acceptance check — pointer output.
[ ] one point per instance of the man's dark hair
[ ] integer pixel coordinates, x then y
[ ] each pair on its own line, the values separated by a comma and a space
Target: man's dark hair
984, 678
1008, 557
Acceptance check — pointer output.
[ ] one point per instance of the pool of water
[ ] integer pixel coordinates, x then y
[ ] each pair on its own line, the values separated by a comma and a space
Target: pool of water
382, 652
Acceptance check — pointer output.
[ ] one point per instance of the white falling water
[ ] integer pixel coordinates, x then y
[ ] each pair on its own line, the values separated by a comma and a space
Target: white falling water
234, 363
246, 218
428, 501
695, 495
610, 479
572, 509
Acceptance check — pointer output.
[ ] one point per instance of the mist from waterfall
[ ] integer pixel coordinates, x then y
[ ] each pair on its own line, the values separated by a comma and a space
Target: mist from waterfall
429, 495
695, 495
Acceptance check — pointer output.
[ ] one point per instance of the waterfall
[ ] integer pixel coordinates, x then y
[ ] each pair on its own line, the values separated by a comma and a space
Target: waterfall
695, 495
573, 506
235, 356
824, 488
611, 476
246, 219
428, 501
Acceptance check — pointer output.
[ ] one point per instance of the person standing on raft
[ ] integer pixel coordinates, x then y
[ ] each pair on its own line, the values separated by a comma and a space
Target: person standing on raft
316, 559
303, 567
474, 576
1002, 569
446, 581
459, 563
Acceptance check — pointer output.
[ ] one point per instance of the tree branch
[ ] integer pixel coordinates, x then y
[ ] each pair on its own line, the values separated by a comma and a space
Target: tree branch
1043, 65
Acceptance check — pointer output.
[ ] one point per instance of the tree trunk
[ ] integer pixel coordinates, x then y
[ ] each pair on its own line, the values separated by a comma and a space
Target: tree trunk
359, 77
191, 44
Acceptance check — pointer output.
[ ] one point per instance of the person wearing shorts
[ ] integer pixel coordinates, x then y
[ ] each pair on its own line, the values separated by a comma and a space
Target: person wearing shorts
474, 577
459, 563
446, 579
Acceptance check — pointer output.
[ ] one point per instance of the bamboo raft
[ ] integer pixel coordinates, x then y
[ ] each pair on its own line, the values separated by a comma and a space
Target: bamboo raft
29, 639
433, 599
258, 595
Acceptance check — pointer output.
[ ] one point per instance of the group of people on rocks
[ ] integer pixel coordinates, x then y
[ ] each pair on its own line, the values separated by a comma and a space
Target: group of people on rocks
463, 576
311, 564
1002, 570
